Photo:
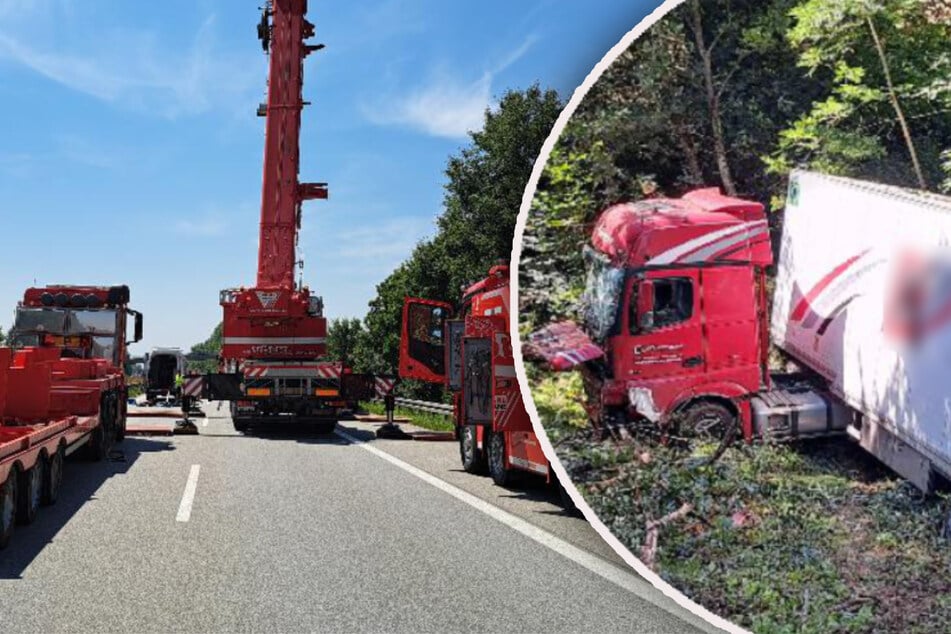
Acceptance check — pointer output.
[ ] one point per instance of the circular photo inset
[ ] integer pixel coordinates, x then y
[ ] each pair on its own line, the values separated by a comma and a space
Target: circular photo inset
735, 309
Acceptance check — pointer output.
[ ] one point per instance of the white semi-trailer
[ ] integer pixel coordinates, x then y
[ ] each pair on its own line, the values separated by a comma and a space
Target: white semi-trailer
863, 298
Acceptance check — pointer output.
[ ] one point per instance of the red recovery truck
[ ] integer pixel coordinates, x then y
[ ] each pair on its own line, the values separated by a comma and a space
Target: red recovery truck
274, 366
62, 388
470, 351
676, 325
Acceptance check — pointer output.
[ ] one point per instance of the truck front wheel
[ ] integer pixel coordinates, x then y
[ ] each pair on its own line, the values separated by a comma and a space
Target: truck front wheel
708, 422
473, 458
497, 459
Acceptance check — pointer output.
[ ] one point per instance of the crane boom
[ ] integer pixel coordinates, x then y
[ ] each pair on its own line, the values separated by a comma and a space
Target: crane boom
282, 193
274, 320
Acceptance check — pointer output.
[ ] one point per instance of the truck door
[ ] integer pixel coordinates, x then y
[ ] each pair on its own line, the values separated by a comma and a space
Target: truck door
661, 336
423, 340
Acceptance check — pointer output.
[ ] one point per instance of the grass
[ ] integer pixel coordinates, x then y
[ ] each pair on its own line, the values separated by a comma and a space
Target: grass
780, 538
426, 420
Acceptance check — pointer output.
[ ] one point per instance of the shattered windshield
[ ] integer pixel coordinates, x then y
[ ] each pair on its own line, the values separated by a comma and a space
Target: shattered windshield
602, 293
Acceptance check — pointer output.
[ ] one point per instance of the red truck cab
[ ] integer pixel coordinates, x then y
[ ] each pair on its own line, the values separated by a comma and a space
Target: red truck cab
675, 318
62, 388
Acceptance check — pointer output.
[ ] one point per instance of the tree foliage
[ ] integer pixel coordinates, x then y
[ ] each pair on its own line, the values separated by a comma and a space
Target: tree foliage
885, 114
734, 94
210, 348
483, 192
342, 337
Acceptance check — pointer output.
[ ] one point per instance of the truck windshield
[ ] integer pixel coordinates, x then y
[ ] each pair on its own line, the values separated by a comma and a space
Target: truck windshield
64, 322
602, 293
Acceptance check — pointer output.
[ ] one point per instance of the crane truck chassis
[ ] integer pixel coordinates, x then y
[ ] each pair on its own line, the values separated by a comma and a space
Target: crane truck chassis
676, 332
62, 389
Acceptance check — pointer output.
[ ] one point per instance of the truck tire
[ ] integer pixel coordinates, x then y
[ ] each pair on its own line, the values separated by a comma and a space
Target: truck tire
326, 428
31, 492
473, 458
53, 478
708, 421
96, 448
240, 426
496, 450
8, 508
122, 414
120, 432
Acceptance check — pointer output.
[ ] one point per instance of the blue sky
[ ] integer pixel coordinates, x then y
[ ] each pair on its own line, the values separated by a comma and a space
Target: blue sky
130, 151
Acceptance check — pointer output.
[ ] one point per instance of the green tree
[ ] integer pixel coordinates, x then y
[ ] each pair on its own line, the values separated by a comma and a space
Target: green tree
885, 113
485, 183
342, 337
210, 348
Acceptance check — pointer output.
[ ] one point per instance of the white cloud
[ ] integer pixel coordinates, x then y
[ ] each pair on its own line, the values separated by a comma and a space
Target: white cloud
204, 227
446, 106
126, 68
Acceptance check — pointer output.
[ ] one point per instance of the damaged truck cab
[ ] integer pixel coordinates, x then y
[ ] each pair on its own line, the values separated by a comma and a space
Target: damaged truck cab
675, 302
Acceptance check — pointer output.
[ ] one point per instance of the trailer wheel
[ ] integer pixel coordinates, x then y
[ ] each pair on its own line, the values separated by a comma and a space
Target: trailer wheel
53, 478
8, 505
473, 458
96, 448
500, 475
31, 492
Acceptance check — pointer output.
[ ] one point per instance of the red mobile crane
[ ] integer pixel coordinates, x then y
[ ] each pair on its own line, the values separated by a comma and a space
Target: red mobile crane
273, 357
62, 389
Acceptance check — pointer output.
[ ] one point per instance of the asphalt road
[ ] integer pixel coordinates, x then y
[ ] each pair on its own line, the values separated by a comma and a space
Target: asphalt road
298, 532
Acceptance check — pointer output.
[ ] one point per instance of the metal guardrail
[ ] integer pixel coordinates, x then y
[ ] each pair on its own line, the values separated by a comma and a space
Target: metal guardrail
425, 406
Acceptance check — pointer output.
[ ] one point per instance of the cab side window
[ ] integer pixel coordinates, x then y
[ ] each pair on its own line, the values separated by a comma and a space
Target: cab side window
673, 302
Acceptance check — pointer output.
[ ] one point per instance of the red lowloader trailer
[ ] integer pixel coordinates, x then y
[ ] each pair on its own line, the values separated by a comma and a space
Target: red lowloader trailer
469, 350
274, 366
62, 388
677, 329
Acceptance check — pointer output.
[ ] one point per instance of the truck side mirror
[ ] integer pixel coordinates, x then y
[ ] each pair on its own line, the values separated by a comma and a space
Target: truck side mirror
138, 326
645, 305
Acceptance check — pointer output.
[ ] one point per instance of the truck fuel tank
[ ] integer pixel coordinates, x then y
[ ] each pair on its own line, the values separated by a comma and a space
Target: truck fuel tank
796, 412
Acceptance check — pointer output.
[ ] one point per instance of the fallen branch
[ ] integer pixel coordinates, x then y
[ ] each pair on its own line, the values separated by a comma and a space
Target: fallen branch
649, 550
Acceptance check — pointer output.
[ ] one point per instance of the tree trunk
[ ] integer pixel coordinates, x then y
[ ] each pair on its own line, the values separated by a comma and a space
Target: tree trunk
713, 100
893, 97
687, 146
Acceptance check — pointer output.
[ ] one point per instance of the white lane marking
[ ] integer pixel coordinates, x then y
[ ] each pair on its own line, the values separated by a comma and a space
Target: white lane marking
188, 497
593, 563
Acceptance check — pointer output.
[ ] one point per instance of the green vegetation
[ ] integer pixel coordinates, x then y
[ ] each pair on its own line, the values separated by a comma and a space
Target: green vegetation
483, 191
734, 94
809, 537
210, 347
778, 538
426, 420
